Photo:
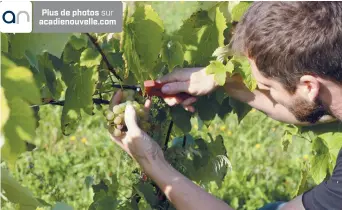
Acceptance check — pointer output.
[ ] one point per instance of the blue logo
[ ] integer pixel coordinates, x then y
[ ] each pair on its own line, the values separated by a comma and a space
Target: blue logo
10, 18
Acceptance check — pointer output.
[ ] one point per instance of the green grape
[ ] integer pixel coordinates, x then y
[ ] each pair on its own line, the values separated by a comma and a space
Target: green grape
130, 92
145, 126
136, 105
111, 129
129, 98
117, 132
122, 108
110, 116
118, 120
117, 109
122, 115
141, 112
125, 94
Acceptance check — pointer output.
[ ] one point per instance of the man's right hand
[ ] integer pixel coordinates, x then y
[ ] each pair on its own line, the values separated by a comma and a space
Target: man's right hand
194, 81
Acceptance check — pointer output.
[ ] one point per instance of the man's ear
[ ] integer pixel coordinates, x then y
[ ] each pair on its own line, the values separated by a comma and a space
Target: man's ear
308, 87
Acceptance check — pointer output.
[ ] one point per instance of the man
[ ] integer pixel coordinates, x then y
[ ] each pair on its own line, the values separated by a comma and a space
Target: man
295, 52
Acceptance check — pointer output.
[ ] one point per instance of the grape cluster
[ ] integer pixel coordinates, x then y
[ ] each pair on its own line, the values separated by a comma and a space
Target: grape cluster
116, 117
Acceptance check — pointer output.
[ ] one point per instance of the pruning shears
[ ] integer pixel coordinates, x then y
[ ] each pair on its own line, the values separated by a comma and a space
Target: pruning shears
153, 88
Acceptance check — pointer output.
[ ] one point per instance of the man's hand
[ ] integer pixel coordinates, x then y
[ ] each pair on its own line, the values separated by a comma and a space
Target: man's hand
135, 141
194, 81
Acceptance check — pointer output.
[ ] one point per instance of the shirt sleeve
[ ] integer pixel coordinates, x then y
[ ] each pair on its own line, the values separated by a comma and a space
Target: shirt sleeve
328, 194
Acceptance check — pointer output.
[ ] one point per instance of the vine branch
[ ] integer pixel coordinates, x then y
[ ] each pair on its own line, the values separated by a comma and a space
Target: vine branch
168, 136
61, 103
104, 57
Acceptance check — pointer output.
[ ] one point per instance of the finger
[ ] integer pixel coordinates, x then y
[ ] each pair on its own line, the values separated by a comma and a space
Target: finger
172, 101
189, 108
147, 105
189, 101
176, 87
116, 98
131, 119
178, 75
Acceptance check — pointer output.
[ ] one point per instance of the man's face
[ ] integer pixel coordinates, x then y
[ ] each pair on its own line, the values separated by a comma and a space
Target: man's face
303, 109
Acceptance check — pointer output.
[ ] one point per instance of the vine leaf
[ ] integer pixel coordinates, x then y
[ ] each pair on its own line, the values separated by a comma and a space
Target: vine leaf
4, 108
201, 36
175, 14
181, 118
220, 71
80, 83
13, 188
241, 109
320, 160
90, 57
78, 42
38, 43
239, 10
20, 90
172, 53
4, 43
48, 76
141, 42
242, 66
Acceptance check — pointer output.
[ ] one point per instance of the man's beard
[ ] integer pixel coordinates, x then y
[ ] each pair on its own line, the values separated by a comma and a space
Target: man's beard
306, 111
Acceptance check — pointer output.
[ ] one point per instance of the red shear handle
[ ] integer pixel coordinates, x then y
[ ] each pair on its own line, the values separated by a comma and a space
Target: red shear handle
153, 88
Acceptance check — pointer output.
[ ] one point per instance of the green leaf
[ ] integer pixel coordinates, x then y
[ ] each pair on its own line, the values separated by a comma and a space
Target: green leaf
48, 75
225, 108
241, 109
78, 97
18, 82
243, 67
172, 53
4, 43
334, 143
147, 35
78, 42
146, 191
201, 36
61, 206
38, 43
20, 90
175, 14
90, 57
104, 203
303, 184
12, 189
212, 163
207, 107
220, 71
4, 109
141, 42
320, 160
19, 127
239, 10
71, 55
181, 118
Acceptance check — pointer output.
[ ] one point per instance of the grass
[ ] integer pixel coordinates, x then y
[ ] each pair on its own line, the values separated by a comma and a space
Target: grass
57, 169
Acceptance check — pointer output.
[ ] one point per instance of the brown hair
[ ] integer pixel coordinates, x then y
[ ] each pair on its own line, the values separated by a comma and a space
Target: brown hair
290, 39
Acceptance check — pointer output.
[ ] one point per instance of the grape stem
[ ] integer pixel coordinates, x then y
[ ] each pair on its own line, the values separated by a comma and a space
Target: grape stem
61, 103
168, 136
104, 57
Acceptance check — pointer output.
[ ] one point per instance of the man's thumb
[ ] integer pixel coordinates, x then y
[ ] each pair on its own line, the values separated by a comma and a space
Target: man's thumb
131, 118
